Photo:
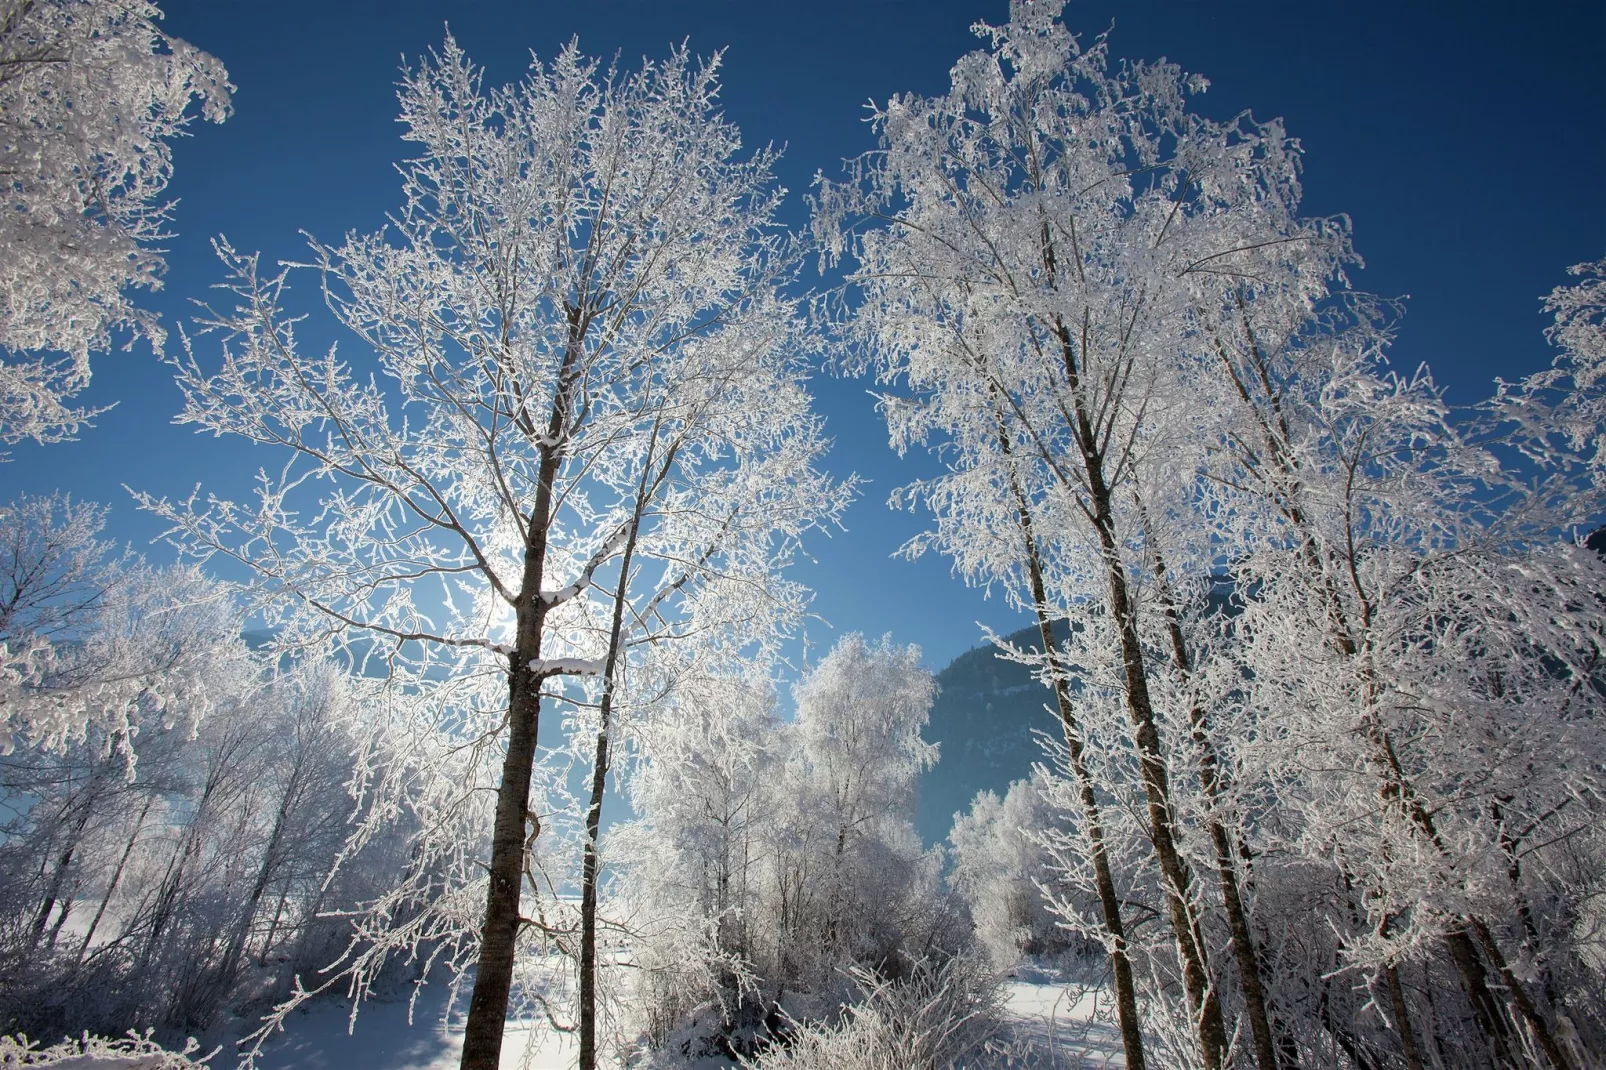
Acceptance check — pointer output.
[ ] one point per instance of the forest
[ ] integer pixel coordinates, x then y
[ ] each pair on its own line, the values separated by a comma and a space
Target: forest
488, 695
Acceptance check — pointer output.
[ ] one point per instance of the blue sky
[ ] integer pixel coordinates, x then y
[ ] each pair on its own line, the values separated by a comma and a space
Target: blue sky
1467, 142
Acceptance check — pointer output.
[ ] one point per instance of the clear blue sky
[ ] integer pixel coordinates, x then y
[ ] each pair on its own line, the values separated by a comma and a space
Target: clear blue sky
1466, 140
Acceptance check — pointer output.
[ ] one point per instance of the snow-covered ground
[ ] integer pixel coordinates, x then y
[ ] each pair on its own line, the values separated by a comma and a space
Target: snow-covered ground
1060, 1026
383, 1039
1056, 1026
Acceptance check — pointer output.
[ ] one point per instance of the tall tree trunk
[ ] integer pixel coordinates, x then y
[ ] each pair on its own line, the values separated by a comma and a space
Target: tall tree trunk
1402, 1017
1485, 1008
1203, 1000
1126, 999
1204, 1003
493, 977
590, 866
588, 903
1210, 779
653, 474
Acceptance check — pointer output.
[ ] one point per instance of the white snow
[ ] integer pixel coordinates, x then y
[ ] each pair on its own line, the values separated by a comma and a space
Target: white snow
383, 1039
568, 666
1062, 1025
1057, 1026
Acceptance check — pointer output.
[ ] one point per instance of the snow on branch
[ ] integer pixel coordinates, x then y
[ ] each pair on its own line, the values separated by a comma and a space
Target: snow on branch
584, 580
133, 1052
568, 666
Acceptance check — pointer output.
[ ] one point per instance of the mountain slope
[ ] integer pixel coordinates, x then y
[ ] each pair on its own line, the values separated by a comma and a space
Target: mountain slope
984, 719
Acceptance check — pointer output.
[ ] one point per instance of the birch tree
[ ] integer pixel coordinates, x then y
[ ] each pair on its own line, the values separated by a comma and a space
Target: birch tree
1419, 589
581, 295
1047, 231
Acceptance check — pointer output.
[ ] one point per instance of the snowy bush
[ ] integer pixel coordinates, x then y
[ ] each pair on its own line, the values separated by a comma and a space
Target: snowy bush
133, 1052
941, 1015
999, 869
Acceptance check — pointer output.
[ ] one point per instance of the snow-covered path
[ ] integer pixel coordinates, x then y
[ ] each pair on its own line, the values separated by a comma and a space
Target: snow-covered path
1062, 1027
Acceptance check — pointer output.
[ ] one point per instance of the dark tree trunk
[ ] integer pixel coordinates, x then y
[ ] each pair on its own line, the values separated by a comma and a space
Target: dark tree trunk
1402, 1018
590, 865
1126, 999
1204, 1002
61, 916
653, 474
588, 907
493, 977
1485, 1008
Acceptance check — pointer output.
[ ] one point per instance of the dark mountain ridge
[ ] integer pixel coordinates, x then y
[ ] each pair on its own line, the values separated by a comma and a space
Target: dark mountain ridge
985, 718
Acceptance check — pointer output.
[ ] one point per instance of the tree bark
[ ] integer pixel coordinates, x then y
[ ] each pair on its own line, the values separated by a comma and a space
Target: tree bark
1238, 923
493, 977
1475, 981
1402, 1017
1204, 1002
1126, 1000
590, 865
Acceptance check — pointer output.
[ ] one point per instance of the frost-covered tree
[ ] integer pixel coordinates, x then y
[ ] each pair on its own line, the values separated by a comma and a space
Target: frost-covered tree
1421, 648
94, 642
1042, 240
574, 336
91, 93
1556, 417
695, 863
857, 762
771, 858
1000, 867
